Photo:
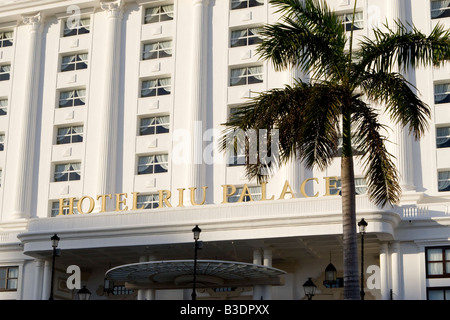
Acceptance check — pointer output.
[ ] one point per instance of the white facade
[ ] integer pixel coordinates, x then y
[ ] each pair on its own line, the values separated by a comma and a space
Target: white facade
74, 98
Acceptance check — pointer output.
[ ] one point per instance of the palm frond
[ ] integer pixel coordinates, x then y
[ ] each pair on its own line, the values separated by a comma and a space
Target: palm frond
404, 48
402, 104
304, 117
380, 171
309, 36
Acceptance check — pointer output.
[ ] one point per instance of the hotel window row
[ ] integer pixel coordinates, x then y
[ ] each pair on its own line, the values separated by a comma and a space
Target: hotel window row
158, 86
442, 96
71, 133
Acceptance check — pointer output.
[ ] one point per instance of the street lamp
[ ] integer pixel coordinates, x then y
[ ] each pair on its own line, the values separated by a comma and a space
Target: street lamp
310, 288
196, 232
362, 230
55, 241
84, 293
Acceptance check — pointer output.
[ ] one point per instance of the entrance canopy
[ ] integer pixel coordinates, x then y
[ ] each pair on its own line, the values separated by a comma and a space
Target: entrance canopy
179, 274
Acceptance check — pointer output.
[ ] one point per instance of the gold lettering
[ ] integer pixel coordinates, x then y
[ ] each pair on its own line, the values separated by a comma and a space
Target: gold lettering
227, 194
285, 190
163, 199
193, 189
302, 188
245, 191
180, 197
328, 185
263, 191
80, 204
135, 200
119, 201
62, 206
103, 197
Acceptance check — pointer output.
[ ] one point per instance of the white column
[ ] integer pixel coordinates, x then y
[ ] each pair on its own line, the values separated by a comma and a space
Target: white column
21, 199
107, 123
142, 292
267, 261
38, 279
197, 119
150, 294
403, 139
396, 272
47, 279
384, 271
258, 290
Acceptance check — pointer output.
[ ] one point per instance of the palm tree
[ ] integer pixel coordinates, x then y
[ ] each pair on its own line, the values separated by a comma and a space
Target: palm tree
340, 101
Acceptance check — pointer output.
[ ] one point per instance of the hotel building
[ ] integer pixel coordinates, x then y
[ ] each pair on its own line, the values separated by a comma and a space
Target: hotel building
110, 117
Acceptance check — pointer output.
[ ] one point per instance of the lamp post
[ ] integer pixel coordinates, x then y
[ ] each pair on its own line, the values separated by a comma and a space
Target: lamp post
55, 241
84, 293
310, 288
196, 232
362, 229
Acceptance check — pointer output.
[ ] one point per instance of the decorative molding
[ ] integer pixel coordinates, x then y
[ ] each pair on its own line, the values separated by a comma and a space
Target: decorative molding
113, 8
34, 20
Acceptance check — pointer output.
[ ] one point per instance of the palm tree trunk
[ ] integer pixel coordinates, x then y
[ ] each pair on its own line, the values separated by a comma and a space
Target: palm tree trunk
350, 250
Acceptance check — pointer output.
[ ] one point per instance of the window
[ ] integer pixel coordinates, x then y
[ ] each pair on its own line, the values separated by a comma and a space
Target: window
67, 172
9, 278
66, 209
1, 176
241, 4
154, 125
245, 37
6, 39
158, 14
438, 262
2, 142
246, 75
74, 62
347, 21
155, 87
440, 9
443, 137
438, 293
3, 107
4, 72
444, 181
72, 98
442, 93
121, 290
156, 50
360, 186
148, 201
255, 192
153, 164
77, 27
72, 134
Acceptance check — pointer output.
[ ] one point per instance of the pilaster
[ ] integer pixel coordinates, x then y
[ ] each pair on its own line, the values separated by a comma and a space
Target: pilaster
108, 122
384, 270
21, 199
403, 139
199, 62
396, 272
